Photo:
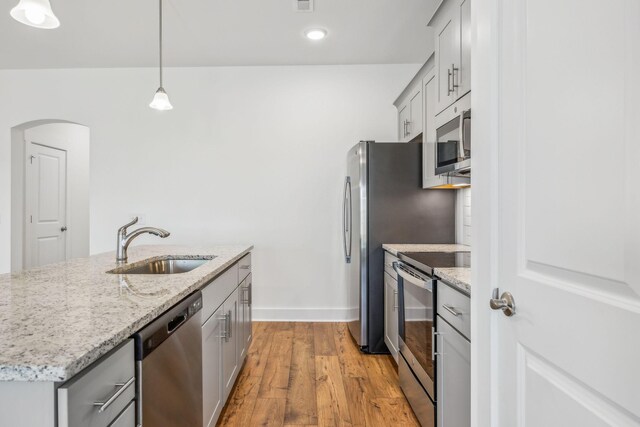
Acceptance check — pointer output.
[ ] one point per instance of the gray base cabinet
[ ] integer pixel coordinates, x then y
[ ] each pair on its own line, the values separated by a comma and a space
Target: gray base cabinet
99, 395
391, 305
226, 335
453, 368
212, 401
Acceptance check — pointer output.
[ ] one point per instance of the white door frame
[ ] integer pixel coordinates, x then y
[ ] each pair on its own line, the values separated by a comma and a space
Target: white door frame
73, 138
485, 81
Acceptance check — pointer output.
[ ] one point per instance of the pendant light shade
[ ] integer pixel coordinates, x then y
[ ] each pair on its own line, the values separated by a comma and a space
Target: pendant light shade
35, 13
161, 99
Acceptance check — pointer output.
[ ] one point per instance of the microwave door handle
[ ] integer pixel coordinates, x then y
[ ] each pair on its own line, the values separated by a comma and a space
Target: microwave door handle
461, 139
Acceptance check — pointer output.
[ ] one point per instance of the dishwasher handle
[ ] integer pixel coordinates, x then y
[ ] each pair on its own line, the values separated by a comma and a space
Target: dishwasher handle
177, 321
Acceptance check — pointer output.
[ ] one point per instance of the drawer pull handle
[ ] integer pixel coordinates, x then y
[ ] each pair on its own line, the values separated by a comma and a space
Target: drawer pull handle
121, 388
245, 267
452, 310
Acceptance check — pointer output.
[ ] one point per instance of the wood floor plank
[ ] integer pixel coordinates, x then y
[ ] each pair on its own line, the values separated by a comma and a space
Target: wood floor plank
301, 408
383, 377
275, 380
358, 397
351, 362
333, 406
324, 343
268, 412
239, 408
258, 352
396, 412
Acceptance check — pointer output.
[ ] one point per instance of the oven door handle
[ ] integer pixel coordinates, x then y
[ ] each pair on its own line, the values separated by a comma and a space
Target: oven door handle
405, 272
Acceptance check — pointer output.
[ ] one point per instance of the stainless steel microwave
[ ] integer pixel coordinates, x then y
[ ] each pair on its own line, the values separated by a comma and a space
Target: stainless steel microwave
453, 138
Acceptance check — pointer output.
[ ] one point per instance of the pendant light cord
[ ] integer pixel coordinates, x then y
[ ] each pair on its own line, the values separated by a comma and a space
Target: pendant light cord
160, 38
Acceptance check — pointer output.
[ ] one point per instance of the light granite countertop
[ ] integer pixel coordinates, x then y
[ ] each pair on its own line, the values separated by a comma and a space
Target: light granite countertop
58, 319
408, 247
459, 277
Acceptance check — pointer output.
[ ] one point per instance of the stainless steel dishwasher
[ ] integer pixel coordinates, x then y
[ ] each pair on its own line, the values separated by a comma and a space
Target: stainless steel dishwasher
169, 367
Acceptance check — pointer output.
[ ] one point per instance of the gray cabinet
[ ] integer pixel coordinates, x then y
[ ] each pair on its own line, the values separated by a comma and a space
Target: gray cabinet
391, 305
409, 106
391, 315
453, 364
226, 335
452, 31
453, 377
99, 394
212, 334
230, 356
244, 316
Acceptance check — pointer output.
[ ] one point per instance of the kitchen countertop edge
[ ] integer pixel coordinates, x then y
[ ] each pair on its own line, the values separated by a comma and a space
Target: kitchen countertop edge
56, 373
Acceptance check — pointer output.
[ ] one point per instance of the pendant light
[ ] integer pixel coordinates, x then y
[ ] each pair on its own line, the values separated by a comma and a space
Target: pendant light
35, 13
161, 99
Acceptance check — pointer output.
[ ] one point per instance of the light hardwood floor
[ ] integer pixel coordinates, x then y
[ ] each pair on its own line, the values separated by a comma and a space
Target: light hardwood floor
312, 374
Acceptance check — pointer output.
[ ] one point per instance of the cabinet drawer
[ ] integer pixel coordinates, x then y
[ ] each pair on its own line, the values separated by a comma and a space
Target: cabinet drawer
389, 259
214, 294
127, 418
111, 381
455, 308
244, 267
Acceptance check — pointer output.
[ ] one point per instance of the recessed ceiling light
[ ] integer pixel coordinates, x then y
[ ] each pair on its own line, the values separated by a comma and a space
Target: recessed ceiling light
316, 34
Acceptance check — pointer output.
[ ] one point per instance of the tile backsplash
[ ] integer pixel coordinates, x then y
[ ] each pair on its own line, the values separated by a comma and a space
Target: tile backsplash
463, 216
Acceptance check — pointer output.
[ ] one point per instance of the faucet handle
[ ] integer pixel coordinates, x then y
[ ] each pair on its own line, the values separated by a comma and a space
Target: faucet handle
123, 229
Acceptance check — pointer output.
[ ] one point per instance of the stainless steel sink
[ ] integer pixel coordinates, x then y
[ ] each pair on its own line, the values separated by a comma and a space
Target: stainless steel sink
166, 265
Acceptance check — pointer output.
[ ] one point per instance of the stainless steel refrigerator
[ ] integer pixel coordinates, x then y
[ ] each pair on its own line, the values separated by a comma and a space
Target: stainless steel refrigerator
384, 203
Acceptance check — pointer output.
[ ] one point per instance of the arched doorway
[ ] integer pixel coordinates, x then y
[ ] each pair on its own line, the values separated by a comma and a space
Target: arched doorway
49, 192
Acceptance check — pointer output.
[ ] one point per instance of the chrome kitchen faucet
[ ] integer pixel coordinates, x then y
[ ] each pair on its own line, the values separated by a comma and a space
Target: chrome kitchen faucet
124, 239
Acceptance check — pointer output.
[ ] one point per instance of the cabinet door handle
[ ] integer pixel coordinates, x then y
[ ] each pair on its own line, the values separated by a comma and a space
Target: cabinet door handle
449, 90
229, 330
395, 300
454, 86
121, 388
224, 327
452, 310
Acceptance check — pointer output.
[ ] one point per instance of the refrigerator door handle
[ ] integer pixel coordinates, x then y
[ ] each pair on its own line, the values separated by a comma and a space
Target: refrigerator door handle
346, 219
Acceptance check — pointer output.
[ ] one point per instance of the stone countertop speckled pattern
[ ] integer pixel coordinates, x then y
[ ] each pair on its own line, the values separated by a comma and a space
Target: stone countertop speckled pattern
58, 319
408, 247
459, 277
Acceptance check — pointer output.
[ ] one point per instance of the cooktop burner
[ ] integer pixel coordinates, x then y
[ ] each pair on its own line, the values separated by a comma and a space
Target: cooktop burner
427, 261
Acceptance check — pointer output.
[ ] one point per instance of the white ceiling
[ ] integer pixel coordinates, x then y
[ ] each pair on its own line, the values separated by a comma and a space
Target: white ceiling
123, 33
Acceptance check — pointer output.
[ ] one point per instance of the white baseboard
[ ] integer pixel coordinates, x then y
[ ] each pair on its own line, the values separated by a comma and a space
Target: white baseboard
301, 314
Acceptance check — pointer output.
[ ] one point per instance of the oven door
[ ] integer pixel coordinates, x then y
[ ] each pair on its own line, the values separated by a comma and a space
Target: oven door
416, 323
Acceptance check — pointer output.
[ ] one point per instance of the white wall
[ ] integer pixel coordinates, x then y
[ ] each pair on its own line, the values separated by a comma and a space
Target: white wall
249, 154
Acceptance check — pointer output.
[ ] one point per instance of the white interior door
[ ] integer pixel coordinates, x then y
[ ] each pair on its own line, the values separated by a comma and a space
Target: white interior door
46, 205
565, 240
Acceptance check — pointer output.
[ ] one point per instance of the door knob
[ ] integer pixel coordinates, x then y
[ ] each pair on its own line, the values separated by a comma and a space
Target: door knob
505, 302
63, 229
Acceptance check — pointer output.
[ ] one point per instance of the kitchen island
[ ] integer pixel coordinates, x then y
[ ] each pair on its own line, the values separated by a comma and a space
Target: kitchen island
57, 320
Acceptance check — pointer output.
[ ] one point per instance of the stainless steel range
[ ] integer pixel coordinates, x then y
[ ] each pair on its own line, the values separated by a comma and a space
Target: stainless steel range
416, 290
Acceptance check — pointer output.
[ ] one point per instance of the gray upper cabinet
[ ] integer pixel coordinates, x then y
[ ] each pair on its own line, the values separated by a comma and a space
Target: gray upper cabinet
409, 105
451, 23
